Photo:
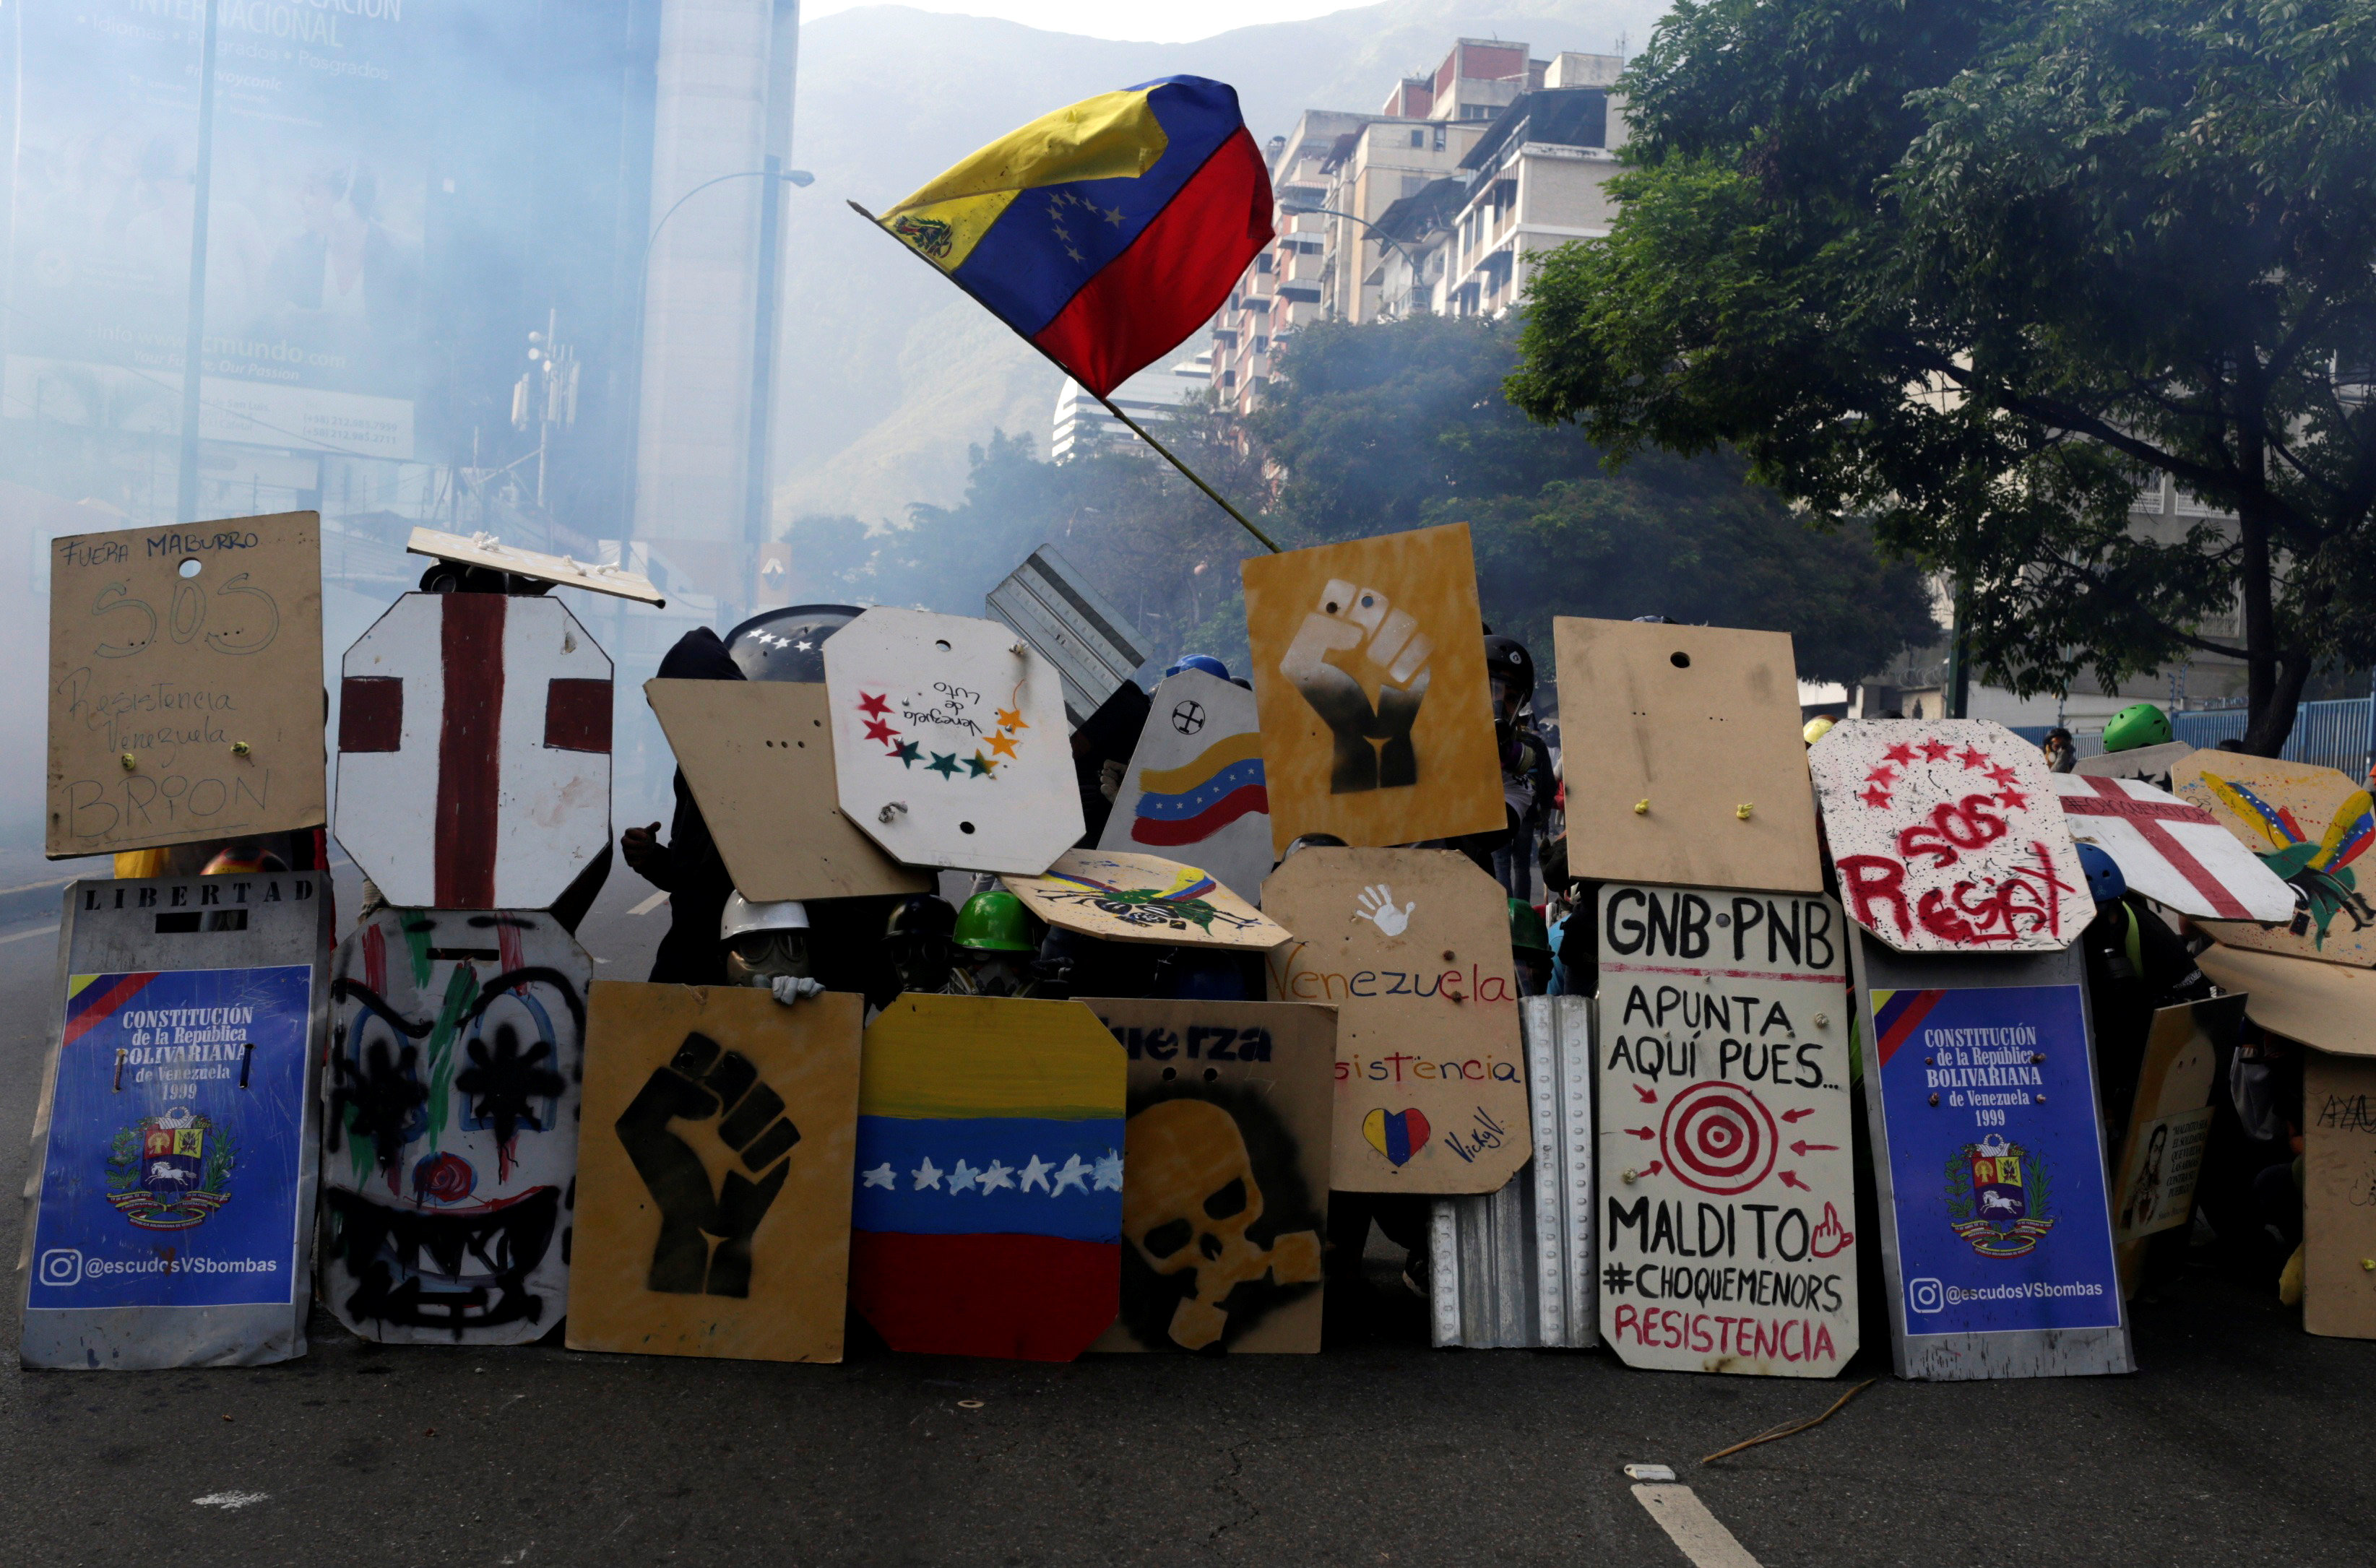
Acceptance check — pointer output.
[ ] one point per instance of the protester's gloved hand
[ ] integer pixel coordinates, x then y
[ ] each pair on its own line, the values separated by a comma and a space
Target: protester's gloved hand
789, 988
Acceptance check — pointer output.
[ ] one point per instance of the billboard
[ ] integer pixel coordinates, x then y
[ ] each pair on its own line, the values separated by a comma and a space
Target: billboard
319, 183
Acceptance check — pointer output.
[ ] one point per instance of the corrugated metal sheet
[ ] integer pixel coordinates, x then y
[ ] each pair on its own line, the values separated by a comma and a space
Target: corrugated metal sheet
1513, 1269
1051, 606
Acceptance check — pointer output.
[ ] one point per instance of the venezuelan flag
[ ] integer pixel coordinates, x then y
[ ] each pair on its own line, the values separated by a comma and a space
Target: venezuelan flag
1190, 803
986, 1218
1106, 232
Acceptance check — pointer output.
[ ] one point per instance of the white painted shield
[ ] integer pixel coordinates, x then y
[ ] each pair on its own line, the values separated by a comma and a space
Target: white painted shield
950, 742
1194, 791
474, 752
2172, 852
1947, 837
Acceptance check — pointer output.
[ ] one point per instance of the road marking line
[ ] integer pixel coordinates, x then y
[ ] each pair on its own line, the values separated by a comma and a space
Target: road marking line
37, 930
1688, 1523
231, 1502
649, 904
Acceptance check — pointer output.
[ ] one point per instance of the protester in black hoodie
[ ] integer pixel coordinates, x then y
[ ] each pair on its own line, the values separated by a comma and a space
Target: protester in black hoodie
688, 867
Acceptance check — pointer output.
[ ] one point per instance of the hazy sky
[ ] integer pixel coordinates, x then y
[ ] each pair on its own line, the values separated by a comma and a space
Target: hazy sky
1162, 21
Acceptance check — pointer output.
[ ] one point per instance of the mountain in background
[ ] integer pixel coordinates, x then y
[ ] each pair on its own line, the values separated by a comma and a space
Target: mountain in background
889, 374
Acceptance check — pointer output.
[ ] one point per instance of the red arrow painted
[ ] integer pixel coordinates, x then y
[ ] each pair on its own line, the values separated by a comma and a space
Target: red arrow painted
1794, 1115
1790, 1179
1649, 1096
1803, 1145
1645, 1133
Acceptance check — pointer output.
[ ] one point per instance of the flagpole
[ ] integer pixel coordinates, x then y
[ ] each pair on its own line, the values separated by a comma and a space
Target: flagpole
1140, 431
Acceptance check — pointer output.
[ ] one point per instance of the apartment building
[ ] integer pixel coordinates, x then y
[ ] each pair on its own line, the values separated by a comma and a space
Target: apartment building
1082, 425
1281, 289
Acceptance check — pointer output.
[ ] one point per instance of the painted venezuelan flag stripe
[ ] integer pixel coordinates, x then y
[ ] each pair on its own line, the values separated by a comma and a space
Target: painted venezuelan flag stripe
89, 1005
1009, 1061
1225, 756
1896, 1015
1015, 1175
1017, 1298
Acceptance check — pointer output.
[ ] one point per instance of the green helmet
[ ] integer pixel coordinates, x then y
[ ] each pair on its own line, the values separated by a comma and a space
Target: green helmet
2140, 725
1528, 933
994, 922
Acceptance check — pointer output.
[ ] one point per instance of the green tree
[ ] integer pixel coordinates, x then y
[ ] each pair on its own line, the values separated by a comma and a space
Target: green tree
1983, 270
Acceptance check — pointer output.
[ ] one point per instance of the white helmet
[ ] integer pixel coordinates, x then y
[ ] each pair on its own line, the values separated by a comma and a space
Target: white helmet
743, 916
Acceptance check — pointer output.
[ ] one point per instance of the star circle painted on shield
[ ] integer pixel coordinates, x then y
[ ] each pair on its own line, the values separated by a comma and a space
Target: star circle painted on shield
877, 712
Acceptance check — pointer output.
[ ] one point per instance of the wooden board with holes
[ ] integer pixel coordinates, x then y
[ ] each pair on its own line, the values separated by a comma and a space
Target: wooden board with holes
950, 742
1695, 772
1369, 673
1124, 898
2309, 826
186, 684
559, 570
1413, 947
714, 1173
2338, 1179
1948, 836
758, 756
2169, 1123
1225, 1174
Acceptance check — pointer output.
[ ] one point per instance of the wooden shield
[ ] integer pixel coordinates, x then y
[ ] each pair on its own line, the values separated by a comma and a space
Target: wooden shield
474, 752
1687, 764
2173, 851
185, 689
1948, 836
2309, 825
2169, 1123
1369, 664
1195, 790
1225, 1184
949, 742
758, 755
714, 1167
1413, 947
2338, 1174
450, 1125
497, 556
1124, 898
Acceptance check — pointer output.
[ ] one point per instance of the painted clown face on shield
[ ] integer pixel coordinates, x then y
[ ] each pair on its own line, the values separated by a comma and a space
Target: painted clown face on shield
450, 1127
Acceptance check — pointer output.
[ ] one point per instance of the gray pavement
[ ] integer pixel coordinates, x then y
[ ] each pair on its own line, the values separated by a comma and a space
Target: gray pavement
2240, 1442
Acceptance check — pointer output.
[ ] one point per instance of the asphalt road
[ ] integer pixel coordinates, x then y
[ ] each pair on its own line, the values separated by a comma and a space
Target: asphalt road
2243, 1441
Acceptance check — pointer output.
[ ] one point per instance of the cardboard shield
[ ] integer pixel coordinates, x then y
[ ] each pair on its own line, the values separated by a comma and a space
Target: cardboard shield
474, 752
186, 696
1413, 947
2338, 1173
175, 1143
949, 742
1195, 788
1947, 837
758, 756
1370, 670
2308, 826
2171, 850
450, 1137
1144, 898
988, 1216
713, 1164
1694, 772
1725, 1130
1225, 1179
2169, 1121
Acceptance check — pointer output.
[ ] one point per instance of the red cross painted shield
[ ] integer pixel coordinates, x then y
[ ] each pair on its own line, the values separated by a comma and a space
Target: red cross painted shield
474, 752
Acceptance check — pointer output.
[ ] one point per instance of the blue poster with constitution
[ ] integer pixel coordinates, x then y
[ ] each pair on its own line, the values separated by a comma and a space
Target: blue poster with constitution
1996, 1160
175, 1143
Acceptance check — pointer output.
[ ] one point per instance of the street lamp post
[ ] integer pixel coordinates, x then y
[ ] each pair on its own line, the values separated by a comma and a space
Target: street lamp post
1383, 238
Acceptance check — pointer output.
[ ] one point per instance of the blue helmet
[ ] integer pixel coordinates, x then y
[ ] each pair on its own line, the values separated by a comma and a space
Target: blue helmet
2104, 878
1205, 661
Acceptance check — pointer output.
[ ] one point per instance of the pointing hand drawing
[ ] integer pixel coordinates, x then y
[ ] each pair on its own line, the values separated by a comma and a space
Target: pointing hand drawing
1348, 618
1377, 905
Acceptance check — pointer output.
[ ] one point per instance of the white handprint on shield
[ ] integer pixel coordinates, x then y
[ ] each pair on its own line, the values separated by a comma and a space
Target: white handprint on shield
1377, 905
1390, 640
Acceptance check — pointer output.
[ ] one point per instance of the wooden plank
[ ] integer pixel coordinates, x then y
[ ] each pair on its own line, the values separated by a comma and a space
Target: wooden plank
2006, 1270
485, 549
186, 684
1413, 947
1225, 1183
1194, 788
176, 1118
1948, 837
950, 742
714, 1173
450, 1144
1696, 773
2169, 1121
1369, 670
758, 756
2309, 825
2338, 1179
1127, 898
1725, 1130
474, 752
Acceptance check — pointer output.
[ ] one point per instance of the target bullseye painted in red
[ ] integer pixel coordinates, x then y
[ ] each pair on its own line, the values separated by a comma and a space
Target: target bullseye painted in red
1718, 1138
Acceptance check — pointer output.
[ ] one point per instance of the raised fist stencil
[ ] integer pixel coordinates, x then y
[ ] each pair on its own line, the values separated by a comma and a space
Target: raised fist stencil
701, 1083
1374, 745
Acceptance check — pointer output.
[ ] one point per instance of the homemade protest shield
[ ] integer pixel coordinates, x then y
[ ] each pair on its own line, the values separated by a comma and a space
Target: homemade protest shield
2169, 1123
1195, 788
2308, 826
171, 1212
1126, 898
2174, 852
